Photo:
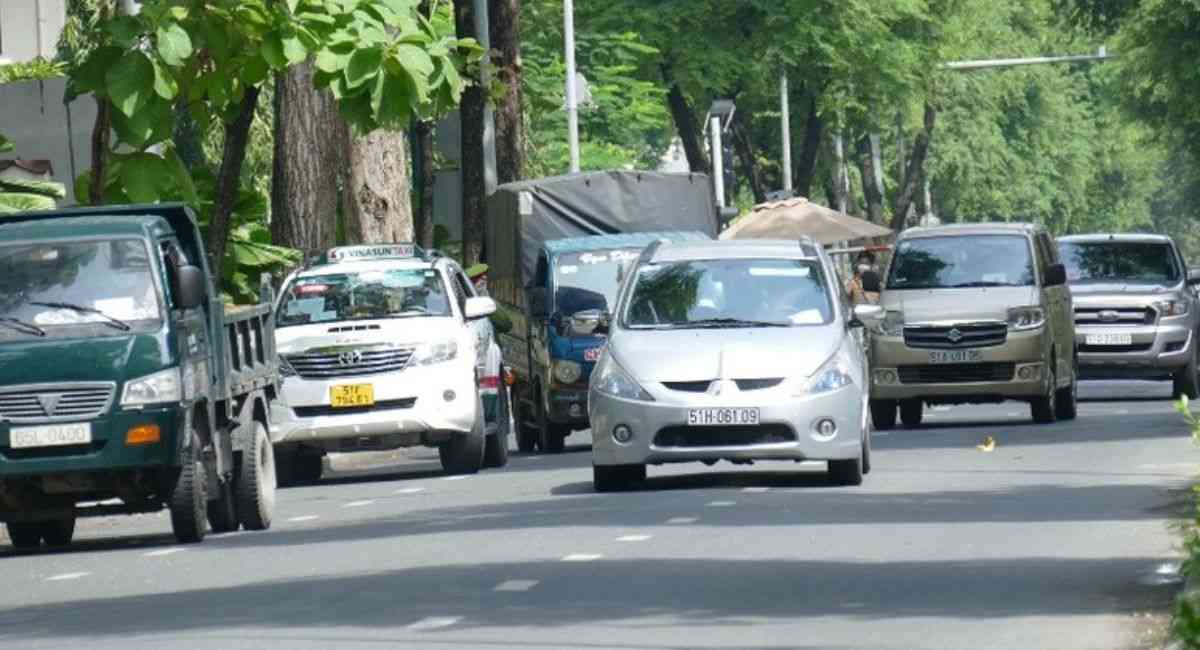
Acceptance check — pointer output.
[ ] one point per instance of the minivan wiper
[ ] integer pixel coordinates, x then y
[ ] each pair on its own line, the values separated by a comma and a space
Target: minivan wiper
731, 322
970, 285
22, 326
111, 321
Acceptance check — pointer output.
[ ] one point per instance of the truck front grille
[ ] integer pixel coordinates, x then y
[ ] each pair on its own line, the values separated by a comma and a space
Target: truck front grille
967, 335
1115, 316
34, 403
350, 362
957, 373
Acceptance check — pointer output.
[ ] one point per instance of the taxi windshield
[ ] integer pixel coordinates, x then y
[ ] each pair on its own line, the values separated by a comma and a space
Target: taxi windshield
363, 295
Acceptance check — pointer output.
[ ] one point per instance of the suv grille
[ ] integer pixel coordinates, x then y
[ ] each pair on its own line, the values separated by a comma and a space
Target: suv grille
350, 362
1115, 315
973, 335
385, 405
727, 436
957, 373
52, 403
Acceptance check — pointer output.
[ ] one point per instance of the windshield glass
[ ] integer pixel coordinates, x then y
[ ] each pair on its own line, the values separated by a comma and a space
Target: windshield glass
1151, 263
960, 262
108, 284
589, 280
729, 293
363, 295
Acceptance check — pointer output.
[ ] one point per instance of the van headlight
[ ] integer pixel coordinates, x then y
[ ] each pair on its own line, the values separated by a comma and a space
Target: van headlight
567, 372
428, 354
892, 324
1171, 307
611, 379
160, 387
834, 375
1026, 318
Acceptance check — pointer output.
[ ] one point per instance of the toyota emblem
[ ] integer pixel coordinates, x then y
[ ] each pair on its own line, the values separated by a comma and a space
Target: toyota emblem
350, 358
954, 335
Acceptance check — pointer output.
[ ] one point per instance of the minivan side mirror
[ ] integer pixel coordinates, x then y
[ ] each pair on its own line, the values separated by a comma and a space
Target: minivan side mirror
1193, 276
189, 289
479, 307
867, 316
589, 322
536, 297
1056, 275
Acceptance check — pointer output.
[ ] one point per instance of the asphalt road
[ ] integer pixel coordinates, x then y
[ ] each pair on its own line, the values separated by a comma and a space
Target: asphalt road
1058, 538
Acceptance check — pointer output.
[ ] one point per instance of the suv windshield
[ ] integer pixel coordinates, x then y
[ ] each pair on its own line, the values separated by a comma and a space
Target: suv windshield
729, 293
962, 261
1148, 262
589, 280
71, 288
363, 295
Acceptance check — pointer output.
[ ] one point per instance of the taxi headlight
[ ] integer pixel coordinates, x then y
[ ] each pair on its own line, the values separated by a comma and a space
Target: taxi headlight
1171, 307
834, 375
285, 368
610, 379
160, 387
1026, 318
428, 354
567, 372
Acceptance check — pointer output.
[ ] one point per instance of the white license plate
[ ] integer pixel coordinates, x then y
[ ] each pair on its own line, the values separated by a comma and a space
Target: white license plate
1109, 339
50, 435
955, 356
721, 417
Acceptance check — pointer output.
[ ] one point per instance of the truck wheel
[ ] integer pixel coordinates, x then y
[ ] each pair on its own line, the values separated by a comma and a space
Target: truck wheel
617, 478
58, 532
189, 501
883, 414
526, 430
911, 412
24, 536
495, 453
222, 511
1186, 381
552, 437
256, 482
463, 454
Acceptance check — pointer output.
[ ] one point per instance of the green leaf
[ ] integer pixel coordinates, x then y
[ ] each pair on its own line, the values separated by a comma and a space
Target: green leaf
293, 50
6, 145
415, 59
394, 108
320, 19
330, 61
272, 51
144, 177
254, 71
164, 82
291, 5
130, 82
124, 30
174, 44
49, 189
12, 202
364, 64
91, 76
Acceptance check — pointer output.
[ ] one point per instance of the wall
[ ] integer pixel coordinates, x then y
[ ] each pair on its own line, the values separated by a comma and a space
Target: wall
35, 119
30, 28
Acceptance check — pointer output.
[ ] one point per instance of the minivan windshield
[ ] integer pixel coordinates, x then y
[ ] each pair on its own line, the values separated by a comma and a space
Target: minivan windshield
363, 295
1115, 261
729, 293
589, 280
955, 262
71, 288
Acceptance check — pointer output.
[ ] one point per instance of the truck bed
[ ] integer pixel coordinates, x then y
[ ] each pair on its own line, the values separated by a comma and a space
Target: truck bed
248, 349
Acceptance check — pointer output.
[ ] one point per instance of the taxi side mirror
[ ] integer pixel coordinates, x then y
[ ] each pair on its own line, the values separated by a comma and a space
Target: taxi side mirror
479, 307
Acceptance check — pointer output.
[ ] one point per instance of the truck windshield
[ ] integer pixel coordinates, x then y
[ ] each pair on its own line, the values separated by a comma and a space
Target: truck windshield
363, 295
962, 262
729, 293
75, 288
589, 280
1116, 261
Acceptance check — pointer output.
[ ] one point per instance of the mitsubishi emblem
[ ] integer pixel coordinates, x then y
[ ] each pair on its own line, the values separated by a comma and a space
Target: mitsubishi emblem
49, 402
350, 358
954, 335
714, 388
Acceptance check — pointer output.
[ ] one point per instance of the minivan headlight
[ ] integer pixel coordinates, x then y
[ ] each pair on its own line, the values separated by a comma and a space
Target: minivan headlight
611, 379
892, 324
161, 387
835, 374
1026, 318
1171, 307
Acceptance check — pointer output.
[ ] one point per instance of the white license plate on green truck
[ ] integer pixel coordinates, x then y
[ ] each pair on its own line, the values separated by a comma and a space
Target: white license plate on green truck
50, 435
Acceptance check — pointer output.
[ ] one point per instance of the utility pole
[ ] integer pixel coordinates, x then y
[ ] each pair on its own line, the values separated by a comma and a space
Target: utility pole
572, 100
483, 35
1100, 55
786, 125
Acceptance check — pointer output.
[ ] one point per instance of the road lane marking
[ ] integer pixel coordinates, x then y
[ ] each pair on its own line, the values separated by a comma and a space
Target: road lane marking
454, 478
516, 585
682, 520
303, 518
68, 576
582, 557
756, 490
721, 504
434, 622
164, 552
359, 504
634, 538
411, 490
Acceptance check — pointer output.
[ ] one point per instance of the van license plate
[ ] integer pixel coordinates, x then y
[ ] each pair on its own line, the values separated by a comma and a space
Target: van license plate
1109, 339
50, 435
721, 417
352, 395
955, 356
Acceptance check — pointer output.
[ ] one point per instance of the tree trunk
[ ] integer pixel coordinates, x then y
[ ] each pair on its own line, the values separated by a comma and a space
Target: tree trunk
378, 206
806, 164
425, 184
506, 42
101, 137
189, 142
841, 184
750, 167
914, 170
691, 134
872, 181
474, 187
308, 151
237, 134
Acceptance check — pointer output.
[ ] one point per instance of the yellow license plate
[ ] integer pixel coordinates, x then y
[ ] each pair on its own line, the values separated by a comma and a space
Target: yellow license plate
352, 395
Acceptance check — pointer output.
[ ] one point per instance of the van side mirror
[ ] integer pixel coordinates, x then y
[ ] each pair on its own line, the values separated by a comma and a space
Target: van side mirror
867, 316
1056, 275
189, 289
589, 322
536, 297
1193, 276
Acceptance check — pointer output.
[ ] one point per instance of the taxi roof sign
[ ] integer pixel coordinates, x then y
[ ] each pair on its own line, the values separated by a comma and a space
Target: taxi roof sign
370, 252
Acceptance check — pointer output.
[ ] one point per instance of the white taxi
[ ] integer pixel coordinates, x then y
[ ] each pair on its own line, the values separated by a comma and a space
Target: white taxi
383, 347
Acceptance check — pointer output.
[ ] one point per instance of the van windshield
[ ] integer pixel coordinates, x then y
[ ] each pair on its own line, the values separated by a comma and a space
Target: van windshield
955, 262
589, 280
1140, 262
363, 295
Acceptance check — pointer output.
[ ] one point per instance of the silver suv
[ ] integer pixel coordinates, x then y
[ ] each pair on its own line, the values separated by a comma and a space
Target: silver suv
1136, 310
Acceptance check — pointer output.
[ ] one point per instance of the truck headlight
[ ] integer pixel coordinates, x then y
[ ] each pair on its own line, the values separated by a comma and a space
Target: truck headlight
834, 375
160, 387
428, 354
610, 379
567, 372
1171, 307
892, 324
1026, 318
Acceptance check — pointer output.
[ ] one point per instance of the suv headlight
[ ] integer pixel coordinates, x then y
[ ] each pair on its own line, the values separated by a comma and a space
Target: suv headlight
892, 324
1026, 318
428, 354
567, 372
610, 379
834, 375
161, 387
1171, 307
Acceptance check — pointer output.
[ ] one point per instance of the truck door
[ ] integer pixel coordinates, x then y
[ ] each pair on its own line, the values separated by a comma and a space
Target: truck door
191, 325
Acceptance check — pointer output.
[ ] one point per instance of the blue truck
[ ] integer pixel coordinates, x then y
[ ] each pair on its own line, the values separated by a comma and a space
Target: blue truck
556, 248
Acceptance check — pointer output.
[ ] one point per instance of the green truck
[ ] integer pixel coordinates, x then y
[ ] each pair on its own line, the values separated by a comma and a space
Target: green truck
126, 384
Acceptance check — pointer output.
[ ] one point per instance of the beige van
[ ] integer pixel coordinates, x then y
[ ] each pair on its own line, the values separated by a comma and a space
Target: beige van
974, 314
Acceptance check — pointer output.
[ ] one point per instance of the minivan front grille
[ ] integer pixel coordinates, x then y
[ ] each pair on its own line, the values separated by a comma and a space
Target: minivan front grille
957, 373
688, 386
724, 436
967, 335
35, 403
1115, 316
350, 362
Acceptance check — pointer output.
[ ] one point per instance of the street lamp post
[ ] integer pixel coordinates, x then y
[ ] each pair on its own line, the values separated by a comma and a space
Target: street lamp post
572, 100
786, 125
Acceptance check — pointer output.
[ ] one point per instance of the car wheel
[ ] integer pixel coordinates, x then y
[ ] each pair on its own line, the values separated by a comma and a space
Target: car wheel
1044, 408
617, 478
866, 454
189, 500
846, 472
883, 414
552, 437
58, 532
911, 412
256, 482
463, 454
495, 453
24, 536
1066, 401
1186, 381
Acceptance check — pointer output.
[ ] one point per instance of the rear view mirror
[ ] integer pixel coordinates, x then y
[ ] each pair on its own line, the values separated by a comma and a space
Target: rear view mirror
867, 315
479, 307
189, 289
1056, 275
589, 322
1194, 276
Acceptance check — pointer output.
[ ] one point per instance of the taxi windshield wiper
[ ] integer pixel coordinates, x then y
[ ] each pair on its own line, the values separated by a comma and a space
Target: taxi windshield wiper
731, 322
22, 326
111, 321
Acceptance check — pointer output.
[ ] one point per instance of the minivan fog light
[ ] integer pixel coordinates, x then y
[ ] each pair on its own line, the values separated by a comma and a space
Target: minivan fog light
885, 376
1027, 373
622, 434
825, 428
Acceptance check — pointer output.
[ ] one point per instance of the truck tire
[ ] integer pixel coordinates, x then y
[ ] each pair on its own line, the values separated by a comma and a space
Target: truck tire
24, 536
617, 478
552, 437
526, 429
222, 511
189, 501
1186, 381
883, 414
58, 532
463, 454
256, 482
495, 453
912, 411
